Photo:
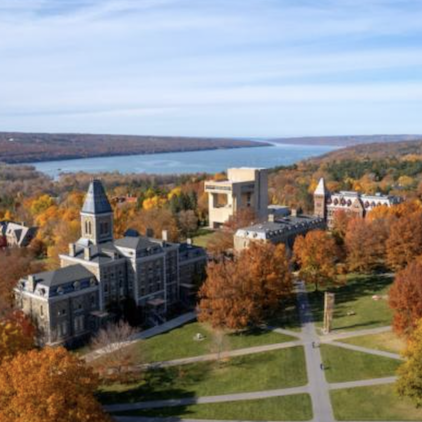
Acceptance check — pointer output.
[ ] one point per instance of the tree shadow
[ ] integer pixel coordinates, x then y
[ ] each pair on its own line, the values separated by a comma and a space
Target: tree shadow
360, 285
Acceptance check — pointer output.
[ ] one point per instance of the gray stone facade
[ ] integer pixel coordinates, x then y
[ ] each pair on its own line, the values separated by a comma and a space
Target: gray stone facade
99, 275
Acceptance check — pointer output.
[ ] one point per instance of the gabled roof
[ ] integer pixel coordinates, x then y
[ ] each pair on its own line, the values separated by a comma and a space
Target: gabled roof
96, 201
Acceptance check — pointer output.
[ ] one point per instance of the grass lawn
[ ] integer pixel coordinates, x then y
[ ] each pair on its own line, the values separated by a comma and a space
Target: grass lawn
348, 365
356, 296
376, 403
387, 342
180, 343
289, 408
203, 237
258, 372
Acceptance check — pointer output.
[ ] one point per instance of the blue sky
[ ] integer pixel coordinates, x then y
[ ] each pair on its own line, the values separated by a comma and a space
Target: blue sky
258, 68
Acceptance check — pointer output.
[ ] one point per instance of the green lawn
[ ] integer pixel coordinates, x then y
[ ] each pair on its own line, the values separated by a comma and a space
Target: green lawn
258, 372
356, 296
180, 343
203, 238
289, 408
376, 403
387, 342
348, 365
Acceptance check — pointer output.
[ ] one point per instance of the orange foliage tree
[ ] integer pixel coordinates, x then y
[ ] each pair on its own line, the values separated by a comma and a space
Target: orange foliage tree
14, 263
316, 254
365, 244
405, 241
245, 291
16, 335
405, 298
48, 386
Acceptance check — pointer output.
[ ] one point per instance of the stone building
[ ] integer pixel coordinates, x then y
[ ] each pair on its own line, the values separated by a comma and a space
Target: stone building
99, 275
16, 234
326, 203
244, 188
278, 230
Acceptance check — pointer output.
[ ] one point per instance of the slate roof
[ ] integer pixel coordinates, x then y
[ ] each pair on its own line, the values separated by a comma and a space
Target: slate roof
96, 201
138, 243
64, 275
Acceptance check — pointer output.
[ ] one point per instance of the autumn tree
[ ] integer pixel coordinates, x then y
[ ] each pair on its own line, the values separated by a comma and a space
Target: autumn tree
365, 244
316, 255
16, 335
15, 263
245, 291
187, 221
340, 223
409, 383
404, 243
48, 385
114, 354
405, 298
222, 241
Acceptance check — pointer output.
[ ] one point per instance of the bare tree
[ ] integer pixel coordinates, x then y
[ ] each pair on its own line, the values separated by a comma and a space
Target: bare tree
119, 357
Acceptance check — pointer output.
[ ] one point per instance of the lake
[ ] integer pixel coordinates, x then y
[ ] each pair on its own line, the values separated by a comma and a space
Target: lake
187, 162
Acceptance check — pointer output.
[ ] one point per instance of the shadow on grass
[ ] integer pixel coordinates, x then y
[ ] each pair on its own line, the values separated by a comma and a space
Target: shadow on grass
355, 288
287, 318
158, 384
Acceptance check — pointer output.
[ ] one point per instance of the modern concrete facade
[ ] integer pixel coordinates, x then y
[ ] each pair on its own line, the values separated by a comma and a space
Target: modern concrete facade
101, 275
278, 230
244, 188
326, 204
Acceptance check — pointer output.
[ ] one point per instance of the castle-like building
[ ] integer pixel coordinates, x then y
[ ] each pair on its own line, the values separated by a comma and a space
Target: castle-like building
100, 275
326, 204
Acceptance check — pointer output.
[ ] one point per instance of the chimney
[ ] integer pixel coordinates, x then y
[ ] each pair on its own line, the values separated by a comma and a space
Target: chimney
72, 249
271, 218
189, 241
31, 283
149, 232
87, 253
293, 212
165, 235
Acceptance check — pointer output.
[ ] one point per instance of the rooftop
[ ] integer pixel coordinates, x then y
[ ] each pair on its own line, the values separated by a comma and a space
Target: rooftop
96, 201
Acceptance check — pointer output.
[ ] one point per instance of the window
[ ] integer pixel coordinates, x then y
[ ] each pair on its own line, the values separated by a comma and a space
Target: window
79, 324
42, 310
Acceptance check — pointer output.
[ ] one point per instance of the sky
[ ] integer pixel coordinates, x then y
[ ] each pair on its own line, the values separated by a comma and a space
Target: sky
220, 68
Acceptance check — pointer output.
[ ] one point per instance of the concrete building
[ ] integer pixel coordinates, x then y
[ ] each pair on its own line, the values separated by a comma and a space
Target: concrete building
244, 188
326, 203
99, 275
278, 230
16, 234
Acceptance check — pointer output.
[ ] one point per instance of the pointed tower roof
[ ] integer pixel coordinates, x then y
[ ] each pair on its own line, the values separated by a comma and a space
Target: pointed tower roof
96, 201
321, 189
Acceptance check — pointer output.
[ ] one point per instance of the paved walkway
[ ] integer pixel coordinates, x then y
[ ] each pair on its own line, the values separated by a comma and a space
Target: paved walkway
230, 353
366, 350
151, 332
157, 404
318, 386
340, 335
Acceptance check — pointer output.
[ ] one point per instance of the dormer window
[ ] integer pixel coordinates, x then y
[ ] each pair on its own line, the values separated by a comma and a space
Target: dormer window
76, 285
60, 291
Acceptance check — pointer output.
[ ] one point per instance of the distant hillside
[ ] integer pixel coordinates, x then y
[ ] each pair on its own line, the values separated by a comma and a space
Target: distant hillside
374, 151
16, 147
345, 140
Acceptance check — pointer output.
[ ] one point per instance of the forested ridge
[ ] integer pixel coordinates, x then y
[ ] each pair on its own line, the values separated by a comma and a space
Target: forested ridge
16, 147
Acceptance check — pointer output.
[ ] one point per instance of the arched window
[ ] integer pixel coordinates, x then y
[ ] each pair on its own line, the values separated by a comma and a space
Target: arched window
89, 228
